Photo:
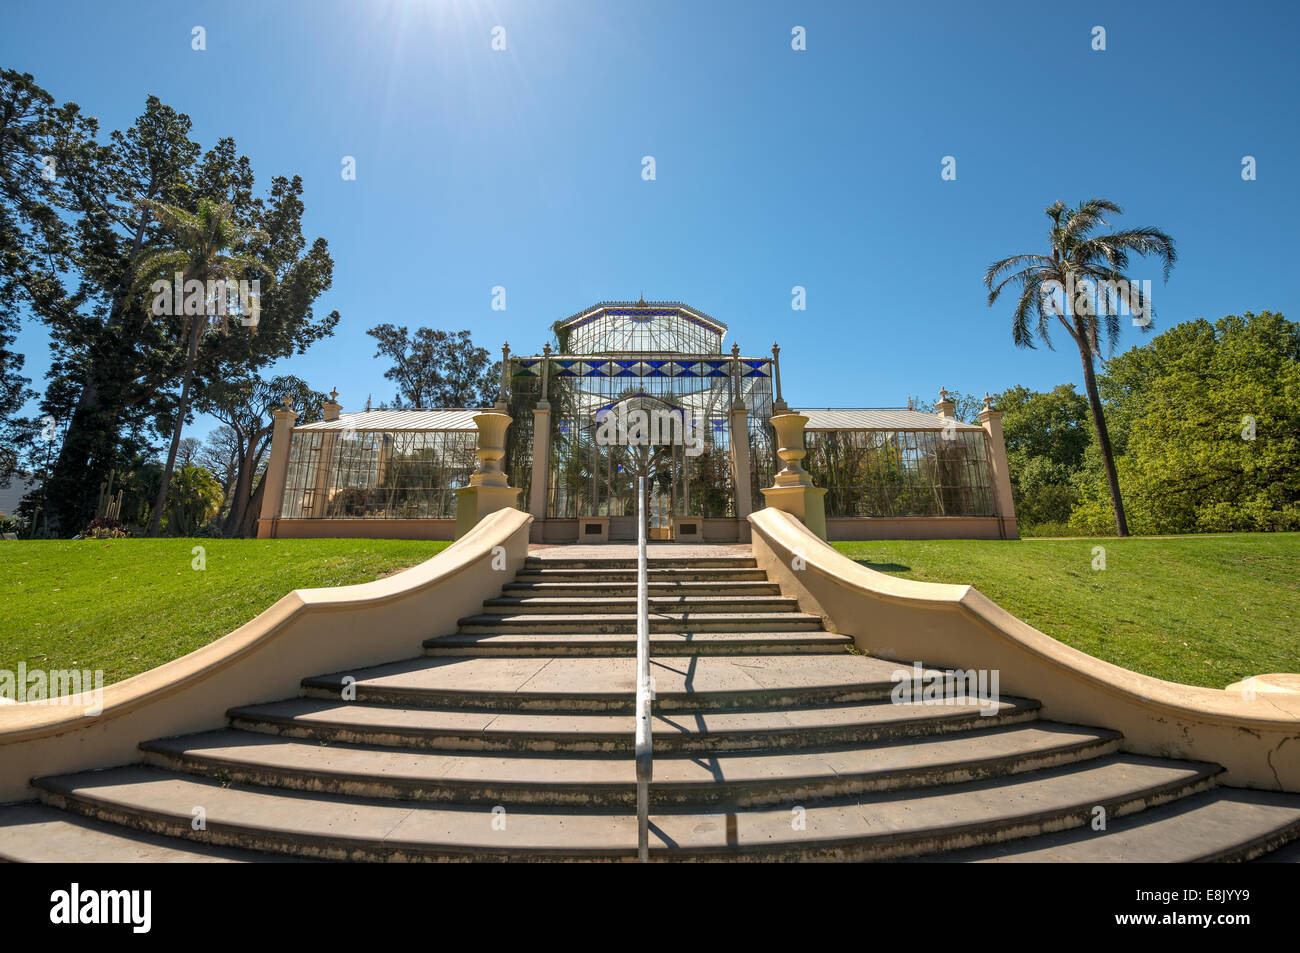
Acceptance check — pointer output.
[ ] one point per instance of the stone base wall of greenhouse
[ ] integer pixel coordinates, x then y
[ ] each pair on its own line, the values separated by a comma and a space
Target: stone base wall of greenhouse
719, 530
357, 529
622, 529
920, 527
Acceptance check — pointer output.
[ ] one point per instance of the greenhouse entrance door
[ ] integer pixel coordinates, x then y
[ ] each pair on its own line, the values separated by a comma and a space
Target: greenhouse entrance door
615, 494
660, 486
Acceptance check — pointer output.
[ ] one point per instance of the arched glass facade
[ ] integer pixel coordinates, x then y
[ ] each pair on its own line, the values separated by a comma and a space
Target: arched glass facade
667, 361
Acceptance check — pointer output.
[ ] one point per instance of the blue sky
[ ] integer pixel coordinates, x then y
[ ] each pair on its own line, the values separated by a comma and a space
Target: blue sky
775, 168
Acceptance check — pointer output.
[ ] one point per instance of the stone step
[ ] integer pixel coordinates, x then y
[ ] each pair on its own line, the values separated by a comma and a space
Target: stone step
875, 826
652, 562
671, 587
436, 728
661, 620
578, 683
1221, 825
624, 643
619, 605
737, 779
543, 574
34, 833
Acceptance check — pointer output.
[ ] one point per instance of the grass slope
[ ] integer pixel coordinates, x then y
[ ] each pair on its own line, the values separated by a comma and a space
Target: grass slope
1198, 610
128, 605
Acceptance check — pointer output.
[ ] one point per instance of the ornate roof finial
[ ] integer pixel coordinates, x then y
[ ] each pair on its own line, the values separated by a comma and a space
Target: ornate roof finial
943, 393
641, 302
334, 395
988, 401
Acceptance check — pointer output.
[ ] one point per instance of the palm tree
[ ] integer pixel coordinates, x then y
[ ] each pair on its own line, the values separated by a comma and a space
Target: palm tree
1082, 275
202, 250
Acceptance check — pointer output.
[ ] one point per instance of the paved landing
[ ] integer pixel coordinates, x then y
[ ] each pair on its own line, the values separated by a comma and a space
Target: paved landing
628, 550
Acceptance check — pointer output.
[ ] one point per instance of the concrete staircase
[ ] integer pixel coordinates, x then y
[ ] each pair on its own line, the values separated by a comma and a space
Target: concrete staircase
512, 739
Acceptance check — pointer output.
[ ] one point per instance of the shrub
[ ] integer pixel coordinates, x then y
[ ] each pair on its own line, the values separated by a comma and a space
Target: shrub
209, 530
194, 498
1052, 528
101, 527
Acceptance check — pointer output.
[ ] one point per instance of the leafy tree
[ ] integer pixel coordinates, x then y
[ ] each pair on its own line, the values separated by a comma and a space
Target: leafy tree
109, 357
245, 406
1211, 421
1051, 424
1077, 282
1046, 435
208, 246
434, 368
34, 239
1044, 491
195, 498
187, 451
118, 373
220, 453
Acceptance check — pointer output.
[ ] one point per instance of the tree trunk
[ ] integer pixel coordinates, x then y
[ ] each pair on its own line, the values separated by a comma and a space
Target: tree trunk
90, 440
182, 408
67, 489
1103, 435
243, 491
248, 528
243, 486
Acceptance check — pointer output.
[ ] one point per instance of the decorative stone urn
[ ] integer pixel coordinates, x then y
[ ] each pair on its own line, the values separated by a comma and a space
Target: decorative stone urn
488, 489
491, 448
793, 490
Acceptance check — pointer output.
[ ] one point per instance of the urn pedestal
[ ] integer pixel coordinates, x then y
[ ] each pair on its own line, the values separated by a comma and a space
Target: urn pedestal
792, 489
488, 489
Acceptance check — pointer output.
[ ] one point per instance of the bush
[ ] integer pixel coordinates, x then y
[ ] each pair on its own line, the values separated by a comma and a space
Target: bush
101, 527
1050, 528
193, 499
209, 530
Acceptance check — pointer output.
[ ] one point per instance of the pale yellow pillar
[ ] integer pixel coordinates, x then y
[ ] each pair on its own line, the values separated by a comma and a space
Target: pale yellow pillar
740, 461
488, 489
991, 421
277, 468
944, 407
541, 444
738, 429
331, 409
541, 459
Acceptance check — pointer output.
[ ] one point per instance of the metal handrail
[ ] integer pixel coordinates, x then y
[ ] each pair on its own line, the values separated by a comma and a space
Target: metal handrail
644, 756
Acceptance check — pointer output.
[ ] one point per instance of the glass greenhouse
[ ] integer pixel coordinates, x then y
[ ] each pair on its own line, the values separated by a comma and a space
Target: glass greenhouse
887, 472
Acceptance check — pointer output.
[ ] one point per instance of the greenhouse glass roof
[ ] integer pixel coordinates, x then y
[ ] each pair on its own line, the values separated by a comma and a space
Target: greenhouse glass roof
625, 327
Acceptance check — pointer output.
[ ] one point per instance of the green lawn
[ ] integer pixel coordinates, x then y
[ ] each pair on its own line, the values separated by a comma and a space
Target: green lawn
1198, 610
128, 605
